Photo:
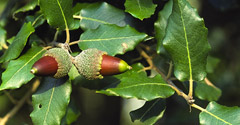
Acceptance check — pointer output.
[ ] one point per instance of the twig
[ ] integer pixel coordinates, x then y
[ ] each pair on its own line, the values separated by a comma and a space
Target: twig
20, 103
190, 93
77, 17
55, 36
208, 82
170, 70
10, 97
35, 21
171, 84
74, 42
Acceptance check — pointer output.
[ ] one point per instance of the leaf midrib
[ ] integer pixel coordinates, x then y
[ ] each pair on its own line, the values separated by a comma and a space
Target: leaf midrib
143, 84
116, 38
186, 40
49, 104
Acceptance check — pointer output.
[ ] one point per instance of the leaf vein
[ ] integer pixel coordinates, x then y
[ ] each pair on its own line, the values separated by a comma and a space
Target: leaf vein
25, 65
49, 104
187, 46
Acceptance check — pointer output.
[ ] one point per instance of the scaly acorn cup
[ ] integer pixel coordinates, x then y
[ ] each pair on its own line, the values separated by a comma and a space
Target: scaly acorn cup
94, 64
55, 62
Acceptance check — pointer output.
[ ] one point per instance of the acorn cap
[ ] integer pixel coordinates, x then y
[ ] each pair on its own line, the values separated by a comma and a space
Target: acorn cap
55, 57
94, 64
88, 63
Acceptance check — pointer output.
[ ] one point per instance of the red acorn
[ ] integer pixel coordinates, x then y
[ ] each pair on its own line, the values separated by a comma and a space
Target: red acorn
55, 62
94, 64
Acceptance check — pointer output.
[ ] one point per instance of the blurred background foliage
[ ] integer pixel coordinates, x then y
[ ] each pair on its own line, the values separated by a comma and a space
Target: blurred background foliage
222, 18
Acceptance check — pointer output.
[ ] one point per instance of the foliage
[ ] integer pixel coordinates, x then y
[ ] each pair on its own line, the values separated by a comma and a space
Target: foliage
179, 38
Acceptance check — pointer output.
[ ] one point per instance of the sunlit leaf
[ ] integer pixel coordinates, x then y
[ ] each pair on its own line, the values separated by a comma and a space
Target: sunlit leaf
216, 114
50, 102
28, 7
161, 24
18, 43
3, 34
18, 71
140, 9
136, 84
111, 38
186, 41
101, 13
207, 92
58, 13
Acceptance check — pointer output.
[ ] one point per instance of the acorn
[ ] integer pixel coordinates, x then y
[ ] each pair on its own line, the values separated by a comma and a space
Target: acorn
94, 64
55, 62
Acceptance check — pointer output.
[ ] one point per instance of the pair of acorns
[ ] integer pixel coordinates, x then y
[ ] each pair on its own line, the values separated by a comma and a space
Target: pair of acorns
91, 63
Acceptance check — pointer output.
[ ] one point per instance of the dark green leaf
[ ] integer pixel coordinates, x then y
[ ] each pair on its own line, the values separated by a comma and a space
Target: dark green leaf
50, 101
161, 24
207, 92
186, 41
28, 7
111, 38
71, 115
18, 44
150, 113
36, 20
18, 71
216, 114
79, 6
58, 13
3, 34
136, 84
212, 63
101, 13
140, 8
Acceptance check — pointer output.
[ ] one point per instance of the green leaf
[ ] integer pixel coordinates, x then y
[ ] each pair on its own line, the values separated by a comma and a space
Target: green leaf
58, 13
71, 115
140, 8
186, 41
36, 20
28, 7
136, 84
150, 113
206, 92
101, 13
79, 6
212, 63
18, 44
216, 114
3, 35
18, 71
161, 24
111, 38
50, 102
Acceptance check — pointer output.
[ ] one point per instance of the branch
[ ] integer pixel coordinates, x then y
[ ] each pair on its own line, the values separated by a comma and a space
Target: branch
189, 99
20, 103
74, 42
10, 97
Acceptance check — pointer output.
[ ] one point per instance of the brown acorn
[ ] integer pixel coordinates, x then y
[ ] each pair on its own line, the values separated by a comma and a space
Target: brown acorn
55, 62
94, 64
